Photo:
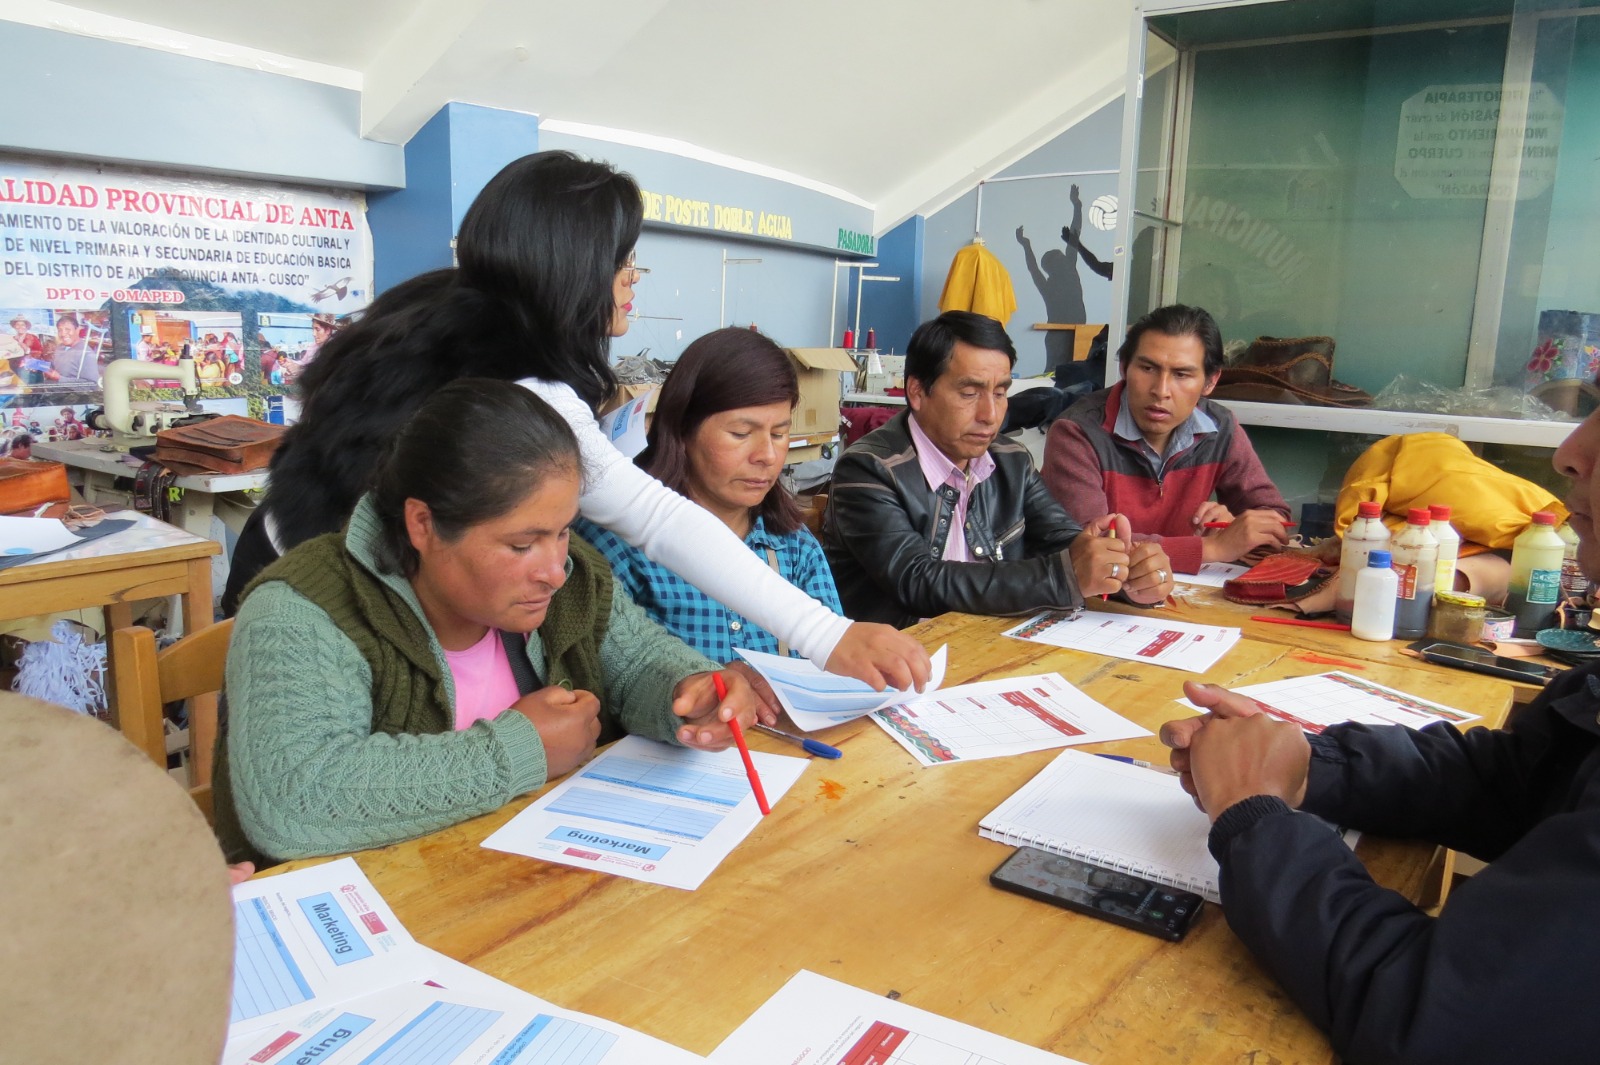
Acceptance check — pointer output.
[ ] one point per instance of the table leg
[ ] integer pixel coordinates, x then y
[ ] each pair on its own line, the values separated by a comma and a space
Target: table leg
117, 616
197, 614
196, 510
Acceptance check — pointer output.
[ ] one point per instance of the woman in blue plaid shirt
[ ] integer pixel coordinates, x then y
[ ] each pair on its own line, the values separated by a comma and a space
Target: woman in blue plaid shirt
720, 436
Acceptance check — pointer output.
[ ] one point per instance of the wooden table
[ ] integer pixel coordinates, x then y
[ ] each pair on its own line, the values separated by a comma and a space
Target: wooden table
871, 871
96, 469
149, 561
1204, 605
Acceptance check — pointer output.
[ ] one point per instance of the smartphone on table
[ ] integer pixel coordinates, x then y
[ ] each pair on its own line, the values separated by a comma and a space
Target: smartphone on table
1478, 660
1121, 898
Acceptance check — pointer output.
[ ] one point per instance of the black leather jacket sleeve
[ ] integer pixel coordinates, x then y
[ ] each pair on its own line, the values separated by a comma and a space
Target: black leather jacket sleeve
1047, 528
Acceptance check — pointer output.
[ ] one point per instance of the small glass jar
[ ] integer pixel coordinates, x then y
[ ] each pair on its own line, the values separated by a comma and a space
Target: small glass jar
1457, 617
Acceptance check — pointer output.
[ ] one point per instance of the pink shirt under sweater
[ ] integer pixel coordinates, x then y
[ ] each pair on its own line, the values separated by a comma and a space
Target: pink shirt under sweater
484, 682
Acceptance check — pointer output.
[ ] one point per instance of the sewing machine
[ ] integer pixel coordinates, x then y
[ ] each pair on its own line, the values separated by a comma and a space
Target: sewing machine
135, 424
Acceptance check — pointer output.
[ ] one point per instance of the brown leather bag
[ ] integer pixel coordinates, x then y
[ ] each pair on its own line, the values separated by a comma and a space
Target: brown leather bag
229, 444
26, 483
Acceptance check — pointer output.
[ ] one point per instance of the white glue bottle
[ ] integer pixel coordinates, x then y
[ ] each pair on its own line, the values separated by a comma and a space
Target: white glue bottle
1376, 585
1449, 548
1364, 534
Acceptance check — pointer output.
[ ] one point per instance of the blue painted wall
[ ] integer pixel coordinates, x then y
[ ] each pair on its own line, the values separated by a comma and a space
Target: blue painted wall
95, 99
448, 162
412, 227
1041, 207
893, 308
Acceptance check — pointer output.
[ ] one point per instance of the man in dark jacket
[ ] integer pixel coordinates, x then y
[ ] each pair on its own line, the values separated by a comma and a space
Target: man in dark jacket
933, 512
1508, 970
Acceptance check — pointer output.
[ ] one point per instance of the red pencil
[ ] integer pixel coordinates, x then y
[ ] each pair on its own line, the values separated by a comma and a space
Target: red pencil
1225, 524
1335, 625
744, 749
1111, 532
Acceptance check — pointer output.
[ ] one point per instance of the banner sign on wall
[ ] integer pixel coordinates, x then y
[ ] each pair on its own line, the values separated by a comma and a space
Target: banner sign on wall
101, 263
703, 214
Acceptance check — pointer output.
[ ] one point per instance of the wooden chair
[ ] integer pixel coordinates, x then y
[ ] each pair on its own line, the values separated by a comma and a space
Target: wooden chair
812, 512
146, 680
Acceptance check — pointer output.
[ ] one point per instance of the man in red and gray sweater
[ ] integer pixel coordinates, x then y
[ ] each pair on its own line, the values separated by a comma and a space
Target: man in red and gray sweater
1154, 448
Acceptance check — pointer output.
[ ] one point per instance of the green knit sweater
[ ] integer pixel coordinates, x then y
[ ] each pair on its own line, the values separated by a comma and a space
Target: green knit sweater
310, 774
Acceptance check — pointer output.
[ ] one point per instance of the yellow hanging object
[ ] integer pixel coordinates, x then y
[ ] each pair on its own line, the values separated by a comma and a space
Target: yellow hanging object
978, 282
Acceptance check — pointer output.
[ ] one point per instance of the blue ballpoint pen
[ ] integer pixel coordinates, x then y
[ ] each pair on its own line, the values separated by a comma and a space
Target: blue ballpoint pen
1135, 761
816, 747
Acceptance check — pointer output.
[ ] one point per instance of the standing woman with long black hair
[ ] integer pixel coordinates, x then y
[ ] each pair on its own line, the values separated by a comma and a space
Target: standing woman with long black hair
545, 280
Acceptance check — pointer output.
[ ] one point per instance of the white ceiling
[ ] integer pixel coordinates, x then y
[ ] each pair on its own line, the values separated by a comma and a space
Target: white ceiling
899, 103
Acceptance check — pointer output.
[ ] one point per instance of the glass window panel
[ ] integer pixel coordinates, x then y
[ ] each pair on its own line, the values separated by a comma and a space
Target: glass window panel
1359, 168
1549, 330
1306, 200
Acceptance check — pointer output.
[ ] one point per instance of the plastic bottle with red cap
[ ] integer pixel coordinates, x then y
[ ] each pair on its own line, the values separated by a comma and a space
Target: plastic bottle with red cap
1449, 548
1535, 575
1365, 535
1416, 561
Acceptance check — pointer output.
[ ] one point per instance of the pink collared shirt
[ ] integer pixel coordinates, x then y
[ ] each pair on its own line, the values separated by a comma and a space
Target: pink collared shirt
939, 471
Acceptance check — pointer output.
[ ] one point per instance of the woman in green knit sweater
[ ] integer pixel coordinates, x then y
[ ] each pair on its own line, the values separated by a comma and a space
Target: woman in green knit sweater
448, 650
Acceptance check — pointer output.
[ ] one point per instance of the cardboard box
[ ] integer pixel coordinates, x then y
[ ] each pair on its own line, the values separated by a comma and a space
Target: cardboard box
819, 370
628, 393
816, 415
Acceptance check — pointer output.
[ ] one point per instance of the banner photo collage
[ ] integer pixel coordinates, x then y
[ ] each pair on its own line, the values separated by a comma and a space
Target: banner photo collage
99, 263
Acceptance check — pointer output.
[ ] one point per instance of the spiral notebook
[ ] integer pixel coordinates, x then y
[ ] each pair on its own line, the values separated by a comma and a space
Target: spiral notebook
1113, 814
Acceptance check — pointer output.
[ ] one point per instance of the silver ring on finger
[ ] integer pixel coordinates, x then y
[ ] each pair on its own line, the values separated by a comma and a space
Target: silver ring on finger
1161, 573
1116, 568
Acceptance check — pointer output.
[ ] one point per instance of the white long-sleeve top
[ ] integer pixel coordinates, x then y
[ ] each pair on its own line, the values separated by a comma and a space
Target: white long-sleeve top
686, 538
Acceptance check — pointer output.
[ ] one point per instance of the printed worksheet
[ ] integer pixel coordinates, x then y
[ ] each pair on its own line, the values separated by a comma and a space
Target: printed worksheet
313, 936
994, 718
1178, 644
425, 1024
625, 427
1324, 699
813, 1020
816, 699
649, 811
1212, 574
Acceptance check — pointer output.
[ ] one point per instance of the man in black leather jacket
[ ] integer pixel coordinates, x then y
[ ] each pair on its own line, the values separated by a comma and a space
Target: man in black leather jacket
934, 512
1510, 969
